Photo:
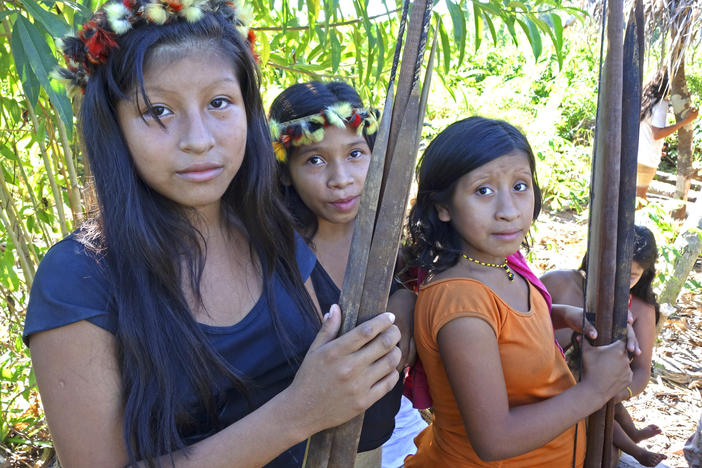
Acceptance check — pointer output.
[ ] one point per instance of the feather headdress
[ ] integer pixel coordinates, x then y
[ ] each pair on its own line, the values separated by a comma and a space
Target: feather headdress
92, 45
310, 129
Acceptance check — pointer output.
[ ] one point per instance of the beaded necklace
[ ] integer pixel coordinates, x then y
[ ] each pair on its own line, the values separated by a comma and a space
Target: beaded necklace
504, 265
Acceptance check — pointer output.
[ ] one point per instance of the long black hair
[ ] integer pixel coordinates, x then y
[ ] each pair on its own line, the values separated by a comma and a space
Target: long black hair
645, 254
302, 100
653, 92
462, 147
146, 239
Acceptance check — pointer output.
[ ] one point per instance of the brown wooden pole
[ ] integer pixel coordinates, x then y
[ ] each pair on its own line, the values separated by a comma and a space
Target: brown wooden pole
631, 107
409, 74
602, 239
399, 167
336, 448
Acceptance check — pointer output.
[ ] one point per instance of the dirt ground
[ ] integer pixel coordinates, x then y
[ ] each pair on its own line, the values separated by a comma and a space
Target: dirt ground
673, 398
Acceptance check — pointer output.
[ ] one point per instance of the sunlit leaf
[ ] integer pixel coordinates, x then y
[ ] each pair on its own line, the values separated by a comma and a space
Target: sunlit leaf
55, 25
459, 28
30, 83
335, 52
445, 46
42, 62
5, 14
381, 54
532, 33
477, 22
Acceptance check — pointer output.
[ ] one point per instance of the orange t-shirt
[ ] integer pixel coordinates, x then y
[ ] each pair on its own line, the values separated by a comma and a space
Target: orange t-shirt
533, 368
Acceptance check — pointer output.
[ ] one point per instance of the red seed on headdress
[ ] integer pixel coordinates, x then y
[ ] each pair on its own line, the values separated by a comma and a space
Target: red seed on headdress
355, 120
98, 42
174, 5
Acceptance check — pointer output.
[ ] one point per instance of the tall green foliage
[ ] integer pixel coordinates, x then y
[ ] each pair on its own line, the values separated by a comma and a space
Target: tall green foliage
44, 175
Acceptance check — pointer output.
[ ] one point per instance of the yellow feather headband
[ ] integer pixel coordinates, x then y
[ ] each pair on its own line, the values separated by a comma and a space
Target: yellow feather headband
310, 129
92, 45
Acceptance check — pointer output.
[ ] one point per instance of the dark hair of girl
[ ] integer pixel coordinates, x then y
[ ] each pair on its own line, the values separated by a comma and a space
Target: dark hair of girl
302, 100
149, 244
653, 92
645, 254
462, 147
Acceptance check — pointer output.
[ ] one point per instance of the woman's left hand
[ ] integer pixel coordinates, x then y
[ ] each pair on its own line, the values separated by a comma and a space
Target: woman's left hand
572, 317
568, 316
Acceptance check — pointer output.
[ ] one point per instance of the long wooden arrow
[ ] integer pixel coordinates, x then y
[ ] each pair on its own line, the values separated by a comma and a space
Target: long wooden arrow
378, 223
611, 231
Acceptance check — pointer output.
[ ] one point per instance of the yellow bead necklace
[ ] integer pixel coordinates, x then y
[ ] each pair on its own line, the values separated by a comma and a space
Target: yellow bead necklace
504, 265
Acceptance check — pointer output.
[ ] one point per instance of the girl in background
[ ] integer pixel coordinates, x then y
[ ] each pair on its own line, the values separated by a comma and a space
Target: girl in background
323, 137
653, 128
502, 392
179, 327
568, 287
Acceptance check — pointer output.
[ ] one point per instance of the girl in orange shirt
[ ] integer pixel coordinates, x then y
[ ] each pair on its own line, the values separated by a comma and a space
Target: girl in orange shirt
502, 392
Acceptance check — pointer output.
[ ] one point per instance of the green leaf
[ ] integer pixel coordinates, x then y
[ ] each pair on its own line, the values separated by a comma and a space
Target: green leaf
509, 22
335, 52
55, 25
557, 37
42, 62
370, 59
4, 14
82, 11
30, 83
447, 86
445, 47
9, 178
459, 28
477, 13
532, 33
264, 47
45, 217
8, 153
490, 24
313, 11
381, 53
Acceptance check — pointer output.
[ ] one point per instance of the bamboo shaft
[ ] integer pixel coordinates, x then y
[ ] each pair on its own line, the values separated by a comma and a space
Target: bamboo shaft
25, 264
32, 198
23, 239
74, 188
58, 199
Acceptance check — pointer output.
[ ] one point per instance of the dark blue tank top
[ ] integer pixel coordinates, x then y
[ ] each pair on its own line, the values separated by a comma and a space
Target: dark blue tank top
71, 284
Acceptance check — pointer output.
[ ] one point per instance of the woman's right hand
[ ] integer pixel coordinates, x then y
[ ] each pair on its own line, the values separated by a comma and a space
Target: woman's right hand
606, 368
341, 377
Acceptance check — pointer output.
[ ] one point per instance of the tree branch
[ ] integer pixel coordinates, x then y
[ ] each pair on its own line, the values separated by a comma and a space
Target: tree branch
332, 25
314, 75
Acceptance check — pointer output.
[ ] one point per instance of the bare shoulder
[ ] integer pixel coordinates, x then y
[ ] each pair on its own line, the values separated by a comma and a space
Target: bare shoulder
560, 278
641, 309
78, 376
562, 281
